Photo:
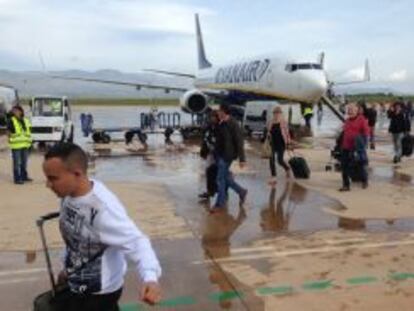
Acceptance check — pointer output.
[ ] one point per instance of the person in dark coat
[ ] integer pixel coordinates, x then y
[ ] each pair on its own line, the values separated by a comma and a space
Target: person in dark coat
208, 145
229, 147
355, 128
370, 114
399, 126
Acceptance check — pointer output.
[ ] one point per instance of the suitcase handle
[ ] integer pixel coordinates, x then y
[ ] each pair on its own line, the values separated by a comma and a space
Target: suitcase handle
39, 223
44, 218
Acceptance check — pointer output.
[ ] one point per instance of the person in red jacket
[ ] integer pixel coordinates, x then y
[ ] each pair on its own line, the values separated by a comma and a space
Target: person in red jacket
355, 127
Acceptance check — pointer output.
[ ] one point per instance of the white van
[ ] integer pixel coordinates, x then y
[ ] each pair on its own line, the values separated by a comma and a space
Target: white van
51, 119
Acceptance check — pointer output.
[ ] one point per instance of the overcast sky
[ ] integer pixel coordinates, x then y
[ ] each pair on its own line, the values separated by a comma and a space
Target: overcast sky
129, 35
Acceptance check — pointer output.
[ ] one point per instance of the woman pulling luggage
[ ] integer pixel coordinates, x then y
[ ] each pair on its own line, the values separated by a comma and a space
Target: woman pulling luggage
277, 135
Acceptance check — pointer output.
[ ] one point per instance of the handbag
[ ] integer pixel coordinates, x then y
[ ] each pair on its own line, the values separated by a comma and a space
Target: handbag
267, 148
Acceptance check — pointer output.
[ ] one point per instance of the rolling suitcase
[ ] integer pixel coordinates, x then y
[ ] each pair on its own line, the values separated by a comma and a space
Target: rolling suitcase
54, 299
407, 145
299, 167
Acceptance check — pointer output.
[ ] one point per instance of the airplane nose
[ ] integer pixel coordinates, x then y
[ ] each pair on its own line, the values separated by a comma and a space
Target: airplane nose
317, 86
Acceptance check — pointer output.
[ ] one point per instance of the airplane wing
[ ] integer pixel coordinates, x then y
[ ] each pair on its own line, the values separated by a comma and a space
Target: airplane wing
171, 73
138, 86
7, 86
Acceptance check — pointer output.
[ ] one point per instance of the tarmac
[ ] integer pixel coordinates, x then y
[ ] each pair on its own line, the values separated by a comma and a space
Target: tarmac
300, 246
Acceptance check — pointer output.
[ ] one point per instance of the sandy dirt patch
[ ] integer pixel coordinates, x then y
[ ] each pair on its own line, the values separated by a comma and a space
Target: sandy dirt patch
21, 205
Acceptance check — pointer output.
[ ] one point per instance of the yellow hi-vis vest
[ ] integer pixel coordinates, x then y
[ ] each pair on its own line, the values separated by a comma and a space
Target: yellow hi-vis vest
307, 110
20, 138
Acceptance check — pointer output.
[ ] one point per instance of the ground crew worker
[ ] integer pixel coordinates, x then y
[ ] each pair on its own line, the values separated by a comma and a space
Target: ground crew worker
307, 115
20, 141
56, 107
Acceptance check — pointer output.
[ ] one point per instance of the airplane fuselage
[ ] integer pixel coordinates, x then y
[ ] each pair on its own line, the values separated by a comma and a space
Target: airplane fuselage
266, 77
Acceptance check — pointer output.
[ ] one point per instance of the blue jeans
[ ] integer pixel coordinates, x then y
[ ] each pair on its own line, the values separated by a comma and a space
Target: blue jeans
20, 157
224, 181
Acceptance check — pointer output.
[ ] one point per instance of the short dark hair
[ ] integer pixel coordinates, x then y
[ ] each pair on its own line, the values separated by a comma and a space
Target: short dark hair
70, 154
225, 108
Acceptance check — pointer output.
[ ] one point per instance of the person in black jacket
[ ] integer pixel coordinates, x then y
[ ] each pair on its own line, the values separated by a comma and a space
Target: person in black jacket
370, 113
399, 126
229, 147
208, 146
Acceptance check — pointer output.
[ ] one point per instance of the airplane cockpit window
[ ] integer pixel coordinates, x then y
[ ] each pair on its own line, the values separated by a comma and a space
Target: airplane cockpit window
302, 66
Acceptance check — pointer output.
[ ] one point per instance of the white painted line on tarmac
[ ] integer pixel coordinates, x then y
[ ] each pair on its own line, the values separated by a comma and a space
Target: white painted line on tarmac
19, 272
252, 249
16, 281
344, 241
308, 251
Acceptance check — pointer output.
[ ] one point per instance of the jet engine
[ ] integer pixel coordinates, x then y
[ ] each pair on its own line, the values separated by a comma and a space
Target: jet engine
194, 101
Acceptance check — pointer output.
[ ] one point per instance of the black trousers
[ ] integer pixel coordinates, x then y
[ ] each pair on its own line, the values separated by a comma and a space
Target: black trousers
106, 302
211, 179
280, 151
346, 164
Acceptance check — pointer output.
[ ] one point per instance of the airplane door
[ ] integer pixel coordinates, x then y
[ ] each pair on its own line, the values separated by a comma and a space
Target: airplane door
269, 78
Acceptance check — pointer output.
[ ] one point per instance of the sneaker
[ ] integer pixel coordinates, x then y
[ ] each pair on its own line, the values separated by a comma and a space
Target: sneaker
28, 179
365, 185
204, 195
19, 182
344, 189
243, 196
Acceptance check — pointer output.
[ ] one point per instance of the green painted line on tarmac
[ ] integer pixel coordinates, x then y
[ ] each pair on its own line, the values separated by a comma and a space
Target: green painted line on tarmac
178, 301
132, 307
267, 291
222, 296
401, 276
167, 303
317, 285
362, 280
280, 290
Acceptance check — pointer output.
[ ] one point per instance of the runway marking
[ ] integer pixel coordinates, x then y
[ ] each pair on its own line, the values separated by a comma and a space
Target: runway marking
280, 290
317, 285
362, 280
306, 251
25, 271
16, 281
308, 286
179, 301
401, 276
223, 296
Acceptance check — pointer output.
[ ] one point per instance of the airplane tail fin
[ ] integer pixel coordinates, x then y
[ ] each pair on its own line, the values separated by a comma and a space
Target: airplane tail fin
321, 60
202, 59
367, 72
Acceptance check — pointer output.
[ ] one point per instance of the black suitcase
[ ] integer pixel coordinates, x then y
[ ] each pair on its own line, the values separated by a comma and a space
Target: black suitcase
54, 299
299, 167
355, 171
407, 145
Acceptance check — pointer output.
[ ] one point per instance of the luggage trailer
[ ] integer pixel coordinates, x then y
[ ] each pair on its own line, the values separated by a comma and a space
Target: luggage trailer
163, 123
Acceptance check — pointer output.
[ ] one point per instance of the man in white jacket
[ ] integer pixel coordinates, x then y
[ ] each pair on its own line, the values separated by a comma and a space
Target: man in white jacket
99, 236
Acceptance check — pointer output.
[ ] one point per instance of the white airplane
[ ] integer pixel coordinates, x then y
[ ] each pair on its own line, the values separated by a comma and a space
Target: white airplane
260, 78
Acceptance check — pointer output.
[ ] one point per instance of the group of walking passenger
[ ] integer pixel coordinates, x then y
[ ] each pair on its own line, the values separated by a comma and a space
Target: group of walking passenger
223, 143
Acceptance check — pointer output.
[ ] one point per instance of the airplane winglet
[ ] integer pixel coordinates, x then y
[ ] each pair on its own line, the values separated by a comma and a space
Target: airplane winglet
202, 59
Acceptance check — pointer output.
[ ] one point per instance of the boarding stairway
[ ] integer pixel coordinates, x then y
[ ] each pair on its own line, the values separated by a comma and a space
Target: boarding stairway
332, 106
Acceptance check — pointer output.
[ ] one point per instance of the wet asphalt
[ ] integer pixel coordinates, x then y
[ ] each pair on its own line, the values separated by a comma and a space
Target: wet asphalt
287, 210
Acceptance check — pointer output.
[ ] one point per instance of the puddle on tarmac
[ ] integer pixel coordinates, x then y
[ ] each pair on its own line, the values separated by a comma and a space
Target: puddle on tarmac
289, 208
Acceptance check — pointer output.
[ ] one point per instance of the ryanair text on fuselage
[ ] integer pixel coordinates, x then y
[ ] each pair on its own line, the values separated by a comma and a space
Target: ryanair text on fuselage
251, 71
